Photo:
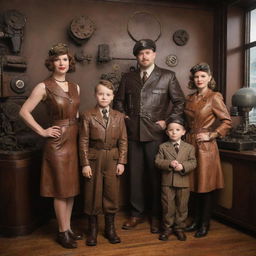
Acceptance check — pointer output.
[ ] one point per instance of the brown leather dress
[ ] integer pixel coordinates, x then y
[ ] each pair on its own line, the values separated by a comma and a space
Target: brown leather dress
59, 175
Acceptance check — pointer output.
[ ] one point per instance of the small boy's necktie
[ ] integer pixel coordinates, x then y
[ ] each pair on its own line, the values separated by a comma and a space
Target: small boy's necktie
105, 117
176, 146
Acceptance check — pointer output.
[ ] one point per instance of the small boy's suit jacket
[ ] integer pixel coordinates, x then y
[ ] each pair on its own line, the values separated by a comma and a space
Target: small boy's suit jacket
186, 157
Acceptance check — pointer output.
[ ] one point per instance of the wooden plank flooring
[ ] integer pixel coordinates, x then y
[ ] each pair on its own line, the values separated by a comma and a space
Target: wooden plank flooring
221, 241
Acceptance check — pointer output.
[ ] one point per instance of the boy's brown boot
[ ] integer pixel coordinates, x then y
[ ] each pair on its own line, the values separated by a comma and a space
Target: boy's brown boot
110, 231
93, 230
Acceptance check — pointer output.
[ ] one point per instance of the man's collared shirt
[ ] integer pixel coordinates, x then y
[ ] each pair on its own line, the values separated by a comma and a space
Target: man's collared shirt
149, 70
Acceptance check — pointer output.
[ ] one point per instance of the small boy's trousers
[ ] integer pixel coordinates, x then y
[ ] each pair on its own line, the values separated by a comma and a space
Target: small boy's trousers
175, 207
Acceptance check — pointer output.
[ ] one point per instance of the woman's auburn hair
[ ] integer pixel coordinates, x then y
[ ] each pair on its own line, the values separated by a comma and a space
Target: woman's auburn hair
50, 66
204, 67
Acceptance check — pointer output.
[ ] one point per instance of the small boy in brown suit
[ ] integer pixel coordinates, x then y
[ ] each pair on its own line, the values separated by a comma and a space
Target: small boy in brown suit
176, 159
103, 154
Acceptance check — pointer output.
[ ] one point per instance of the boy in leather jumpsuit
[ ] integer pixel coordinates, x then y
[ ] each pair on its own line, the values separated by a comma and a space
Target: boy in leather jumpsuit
103, 150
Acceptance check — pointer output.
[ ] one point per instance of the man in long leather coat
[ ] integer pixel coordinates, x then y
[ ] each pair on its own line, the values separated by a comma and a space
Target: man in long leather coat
144, 96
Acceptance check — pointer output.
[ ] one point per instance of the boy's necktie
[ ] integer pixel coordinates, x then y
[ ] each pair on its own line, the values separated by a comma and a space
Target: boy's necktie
176, 147
105, 117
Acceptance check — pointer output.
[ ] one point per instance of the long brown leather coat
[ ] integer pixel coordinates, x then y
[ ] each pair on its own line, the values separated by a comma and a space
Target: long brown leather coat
202, 113
148, 103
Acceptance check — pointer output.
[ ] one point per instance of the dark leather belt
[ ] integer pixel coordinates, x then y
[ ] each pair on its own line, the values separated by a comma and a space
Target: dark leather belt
65, 122
102, 146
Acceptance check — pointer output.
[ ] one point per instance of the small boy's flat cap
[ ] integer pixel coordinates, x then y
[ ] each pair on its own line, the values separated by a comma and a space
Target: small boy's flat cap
178, 121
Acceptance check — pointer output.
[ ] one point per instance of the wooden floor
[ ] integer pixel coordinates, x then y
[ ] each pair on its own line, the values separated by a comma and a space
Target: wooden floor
221, 241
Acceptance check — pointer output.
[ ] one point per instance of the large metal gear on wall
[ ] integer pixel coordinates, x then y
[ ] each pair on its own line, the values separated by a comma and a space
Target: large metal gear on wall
81, 29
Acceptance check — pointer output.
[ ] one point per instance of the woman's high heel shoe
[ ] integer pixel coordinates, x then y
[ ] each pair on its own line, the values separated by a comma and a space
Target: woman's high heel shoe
65, 240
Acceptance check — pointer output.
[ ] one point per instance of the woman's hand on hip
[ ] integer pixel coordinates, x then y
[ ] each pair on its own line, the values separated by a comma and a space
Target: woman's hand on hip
203, 136
53, 131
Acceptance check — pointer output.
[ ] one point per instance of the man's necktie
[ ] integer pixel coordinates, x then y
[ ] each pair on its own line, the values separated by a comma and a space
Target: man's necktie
105, 117
176, 146
145, 77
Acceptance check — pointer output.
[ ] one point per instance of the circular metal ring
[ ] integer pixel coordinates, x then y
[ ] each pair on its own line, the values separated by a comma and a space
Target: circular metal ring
18, 85
171, 60
143, 13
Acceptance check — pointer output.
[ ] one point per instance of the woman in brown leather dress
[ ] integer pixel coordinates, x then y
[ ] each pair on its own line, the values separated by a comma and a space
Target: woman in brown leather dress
59, 175
203, 108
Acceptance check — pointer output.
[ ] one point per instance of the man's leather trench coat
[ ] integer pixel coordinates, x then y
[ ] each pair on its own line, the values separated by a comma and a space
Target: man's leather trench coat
149, 103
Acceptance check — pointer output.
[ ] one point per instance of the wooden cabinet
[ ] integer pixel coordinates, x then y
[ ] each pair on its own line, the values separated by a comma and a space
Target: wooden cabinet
22, 208
237, 201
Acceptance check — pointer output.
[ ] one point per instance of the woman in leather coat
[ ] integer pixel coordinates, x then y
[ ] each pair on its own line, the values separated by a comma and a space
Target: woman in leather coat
202, 109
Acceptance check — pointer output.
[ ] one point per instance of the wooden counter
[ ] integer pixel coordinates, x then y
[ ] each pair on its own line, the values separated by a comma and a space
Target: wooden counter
237, 201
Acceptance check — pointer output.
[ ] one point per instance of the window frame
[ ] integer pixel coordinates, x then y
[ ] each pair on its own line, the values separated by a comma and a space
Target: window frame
247, 46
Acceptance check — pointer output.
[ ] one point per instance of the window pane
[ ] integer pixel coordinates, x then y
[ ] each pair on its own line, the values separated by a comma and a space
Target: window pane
252, 79
252, 66
252, 116
253, 26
